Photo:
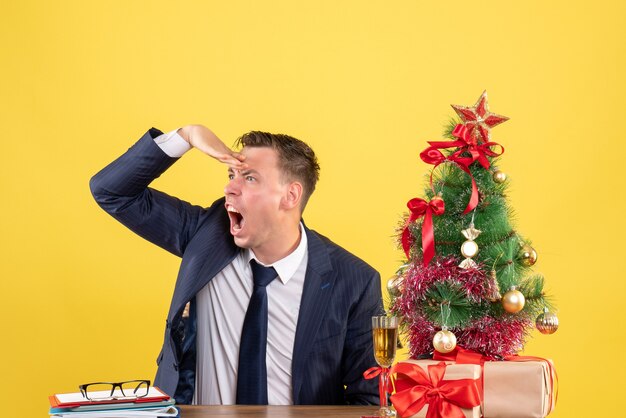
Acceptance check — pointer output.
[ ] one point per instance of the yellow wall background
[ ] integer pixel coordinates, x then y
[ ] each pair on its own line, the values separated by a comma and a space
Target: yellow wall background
366, 84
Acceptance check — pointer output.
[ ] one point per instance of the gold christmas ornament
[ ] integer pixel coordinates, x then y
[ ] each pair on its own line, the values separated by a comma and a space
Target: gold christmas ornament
547, 322
444, 341
499, 176
394, 285
528, 255
513, 301
469, 248
495, 294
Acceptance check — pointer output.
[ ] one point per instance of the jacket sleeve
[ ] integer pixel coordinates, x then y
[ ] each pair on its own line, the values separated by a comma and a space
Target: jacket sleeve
358, 354
121, 189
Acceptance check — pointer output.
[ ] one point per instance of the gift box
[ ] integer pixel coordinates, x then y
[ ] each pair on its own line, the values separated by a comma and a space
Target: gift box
445, 386
518, 388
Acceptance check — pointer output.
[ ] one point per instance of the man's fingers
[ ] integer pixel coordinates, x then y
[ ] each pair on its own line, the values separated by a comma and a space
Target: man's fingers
233, 161
218, 150
238, 156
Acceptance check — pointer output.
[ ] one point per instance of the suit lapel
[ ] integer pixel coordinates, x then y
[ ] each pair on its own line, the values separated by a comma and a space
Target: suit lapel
318, 285
205, 257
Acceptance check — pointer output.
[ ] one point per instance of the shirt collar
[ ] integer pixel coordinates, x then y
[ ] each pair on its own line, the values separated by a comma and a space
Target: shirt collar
285, 267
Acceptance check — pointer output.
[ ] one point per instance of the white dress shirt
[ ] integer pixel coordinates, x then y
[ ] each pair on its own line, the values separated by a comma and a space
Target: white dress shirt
221, 308
172, 144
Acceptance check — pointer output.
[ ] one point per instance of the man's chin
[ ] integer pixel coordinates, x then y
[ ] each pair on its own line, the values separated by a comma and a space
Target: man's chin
241, 242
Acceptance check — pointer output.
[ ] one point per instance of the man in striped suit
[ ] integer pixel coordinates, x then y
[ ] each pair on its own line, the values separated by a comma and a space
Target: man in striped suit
317, 335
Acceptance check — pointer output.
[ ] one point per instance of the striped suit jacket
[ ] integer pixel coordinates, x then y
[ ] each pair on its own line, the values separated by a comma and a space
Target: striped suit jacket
333, 342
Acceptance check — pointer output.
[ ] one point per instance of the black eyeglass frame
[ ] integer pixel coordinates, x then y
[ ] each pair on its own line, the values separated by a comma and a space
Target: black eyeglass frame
83, 389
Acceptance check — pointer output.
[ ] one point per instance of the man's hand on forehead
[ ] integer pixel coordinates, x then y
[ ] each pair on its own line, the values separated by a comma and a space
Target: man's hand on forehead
205, 140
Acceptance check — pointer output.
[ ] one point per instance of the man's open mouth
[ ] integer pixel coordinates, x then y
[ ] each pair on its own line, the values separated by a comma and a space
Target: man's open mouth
236, 219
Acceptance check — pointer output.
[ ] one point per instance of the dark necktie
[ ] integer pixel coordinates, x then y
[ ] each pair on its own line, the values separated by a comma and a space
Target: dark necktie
252, 370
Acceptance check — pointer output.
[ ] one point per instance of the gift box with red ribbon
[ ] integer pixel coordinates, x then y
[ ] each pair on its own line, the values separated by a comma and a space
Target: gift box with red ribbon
431, 389
519, 386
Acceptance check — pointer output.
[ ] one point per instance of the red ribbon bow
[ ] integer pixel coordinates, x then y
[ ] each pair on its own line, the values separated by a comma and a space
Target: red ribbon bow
461, 355
445, 398
372, 372
466, 144
417, 208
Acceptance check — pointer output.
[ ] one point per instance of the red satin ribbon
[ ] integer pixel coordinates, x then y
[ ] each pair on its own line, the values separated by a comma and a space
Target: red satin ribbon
462, 356
372, 372
445, 398
417, 208
465, 143
433, 156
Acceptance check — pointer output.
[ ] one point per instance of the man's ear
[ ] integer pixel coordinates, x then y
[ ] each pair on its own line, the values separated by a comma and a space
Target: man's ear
293, 196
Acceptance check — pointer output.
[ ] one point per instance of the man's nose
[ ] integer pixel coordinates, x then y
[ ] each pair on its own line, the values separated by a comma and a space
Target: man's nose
232, 187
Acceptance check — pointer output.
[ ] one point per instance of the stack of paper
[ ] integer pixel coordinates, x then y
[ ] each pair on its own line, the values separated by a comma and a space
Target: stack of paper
74, 405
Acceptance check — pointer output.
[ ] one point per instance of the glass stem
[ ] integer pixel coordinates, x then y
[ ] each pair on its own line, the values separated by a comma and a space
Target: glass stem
384, 379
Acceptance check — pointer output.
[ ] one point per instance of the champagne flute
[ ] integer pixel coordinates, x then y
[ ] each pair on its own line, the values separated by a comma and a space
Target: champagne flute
385, 333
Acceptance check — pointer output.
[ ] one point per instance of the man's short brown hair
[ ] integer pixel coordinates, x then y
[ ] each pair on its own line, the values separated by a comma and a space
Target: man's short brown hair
296, 160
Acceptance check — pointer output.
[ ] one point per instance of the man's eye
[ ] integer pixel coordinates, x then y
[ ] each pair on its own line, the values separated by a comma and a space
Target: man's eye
231, 176
250, 178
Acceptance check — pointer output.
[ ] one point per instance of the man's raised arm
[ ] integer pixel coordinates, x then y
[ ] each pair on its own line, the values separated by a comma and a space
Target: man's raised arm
121, 188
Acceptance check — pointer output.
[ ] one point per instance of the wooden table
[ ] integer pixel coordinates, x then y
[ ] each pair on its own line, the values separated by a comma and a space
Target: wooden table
248, 411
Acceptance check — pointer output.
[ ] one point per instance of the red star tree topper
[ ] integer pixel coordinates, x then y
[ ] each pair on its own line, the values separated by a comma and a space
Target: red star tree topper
478, 119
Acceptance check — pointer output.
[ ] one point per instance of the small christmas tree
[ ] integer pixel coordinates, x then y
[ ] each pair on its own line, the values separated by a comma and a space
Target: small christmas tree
468, 276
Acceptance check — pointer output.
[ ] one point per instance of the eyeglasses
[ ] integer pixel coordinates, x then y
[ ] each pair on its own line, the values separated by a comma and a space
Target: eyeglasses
100, 391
